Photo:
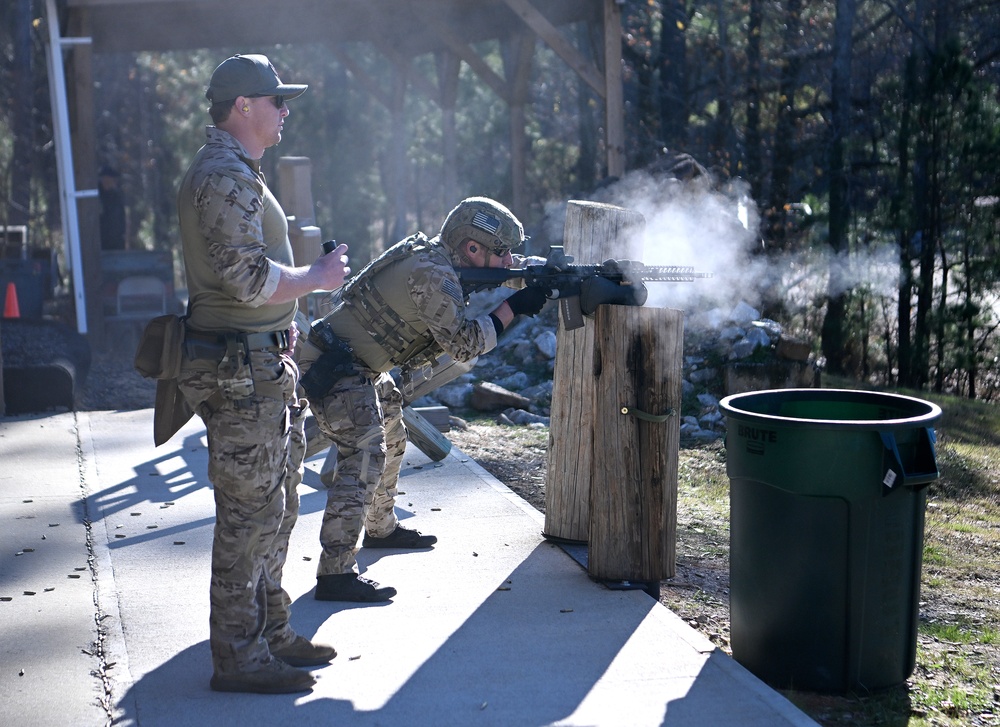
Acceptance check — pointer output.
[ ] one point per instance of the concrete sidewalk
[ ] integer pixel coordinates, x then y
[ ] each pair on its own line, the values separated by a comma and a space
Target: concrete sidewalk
104, 619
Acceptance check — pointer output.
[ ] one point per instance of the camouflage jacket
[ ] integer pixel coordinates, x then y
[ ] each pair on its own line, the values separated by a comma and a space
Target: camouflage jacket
232, 229
406, 307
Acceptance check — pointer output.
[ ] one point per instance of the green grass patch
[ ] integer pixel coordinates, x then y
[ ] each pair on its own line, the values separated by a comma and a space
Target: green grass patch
934, 555
951, 633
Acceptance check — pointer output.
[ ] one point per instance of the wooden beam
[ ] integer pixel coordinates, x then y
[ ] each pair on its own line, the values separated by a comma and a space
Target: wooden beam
361, 76
563, 48
412, 76
460, 48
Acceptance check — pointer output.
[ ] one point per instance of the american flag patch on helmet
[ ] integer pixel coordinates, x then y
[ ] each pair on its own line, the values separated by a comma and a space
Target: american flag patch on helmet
486, 222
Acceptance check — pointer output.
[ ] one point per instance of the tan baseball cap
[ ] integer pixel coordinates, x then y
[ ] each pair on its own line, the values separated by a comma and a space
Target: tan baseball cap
249, 75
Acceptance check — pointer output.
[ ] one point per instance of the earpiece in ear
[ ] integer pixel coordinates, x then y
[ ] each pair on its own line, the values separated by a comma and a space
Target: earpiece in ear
473, 249
245, 108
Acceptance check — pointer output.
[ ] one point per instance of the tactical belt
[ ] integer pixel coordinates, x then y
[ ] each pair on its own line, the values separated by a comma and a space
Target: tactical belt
212, 344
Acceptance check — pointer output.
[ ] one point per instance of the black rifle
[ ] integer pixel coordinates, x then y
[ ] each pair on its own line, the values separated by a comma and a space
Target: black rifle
581, 288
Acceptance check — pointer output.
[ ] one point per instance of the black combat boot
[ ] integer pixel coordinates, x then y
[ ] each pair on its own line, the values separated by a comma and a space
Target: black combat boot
351, 587
402, 538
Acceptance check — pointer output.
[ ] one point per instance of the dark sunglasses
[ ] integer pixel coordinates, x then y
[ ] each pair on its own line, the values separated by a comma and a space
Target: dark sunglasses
499, 250
278, 101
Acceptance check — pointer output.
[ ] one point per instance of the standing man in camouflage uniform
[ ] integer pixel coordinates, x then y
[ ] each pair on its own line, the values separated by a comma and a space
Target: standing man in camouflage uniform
238, 375
404, 309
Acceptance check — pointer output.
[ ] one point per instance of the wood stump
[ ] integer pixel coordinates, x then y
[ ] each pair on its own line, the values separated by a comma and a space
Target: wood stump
594, 232
637, 405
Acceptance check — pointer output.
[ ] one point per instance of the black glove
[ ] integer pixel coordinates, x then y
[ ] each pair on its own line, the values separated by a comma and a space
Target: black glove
527, 301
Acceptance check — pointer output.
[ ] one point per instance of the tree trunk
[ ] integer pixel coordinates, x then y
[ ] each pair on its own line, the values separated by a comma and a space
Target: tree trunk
905, 185
755, 170
673, 75
784, 131
21, 114
941, 324
723, 137
834, 324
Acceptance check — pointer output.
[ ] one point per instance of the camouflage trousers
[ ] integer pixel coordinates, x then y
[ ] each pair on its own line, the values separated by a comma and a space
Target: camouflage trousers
364, 419
255, 457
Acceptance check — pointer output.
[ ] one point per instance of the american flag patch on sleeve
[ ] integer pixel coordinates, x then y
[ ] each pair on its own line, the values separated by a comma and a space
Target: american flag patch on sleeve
452, 289
486, 222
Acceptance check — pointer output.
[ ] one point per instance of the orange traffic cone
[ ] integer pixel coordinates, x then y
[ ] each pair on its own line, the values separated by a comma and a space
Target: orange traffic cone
10, 307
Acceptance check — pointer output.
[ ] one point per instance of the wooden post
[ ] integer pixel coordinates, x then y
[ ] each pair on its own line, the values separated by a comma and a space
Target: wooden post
296, 199
594, 232
3, 403
614, 101
295, 190
517, 63
80, 97
448, 67
637, 403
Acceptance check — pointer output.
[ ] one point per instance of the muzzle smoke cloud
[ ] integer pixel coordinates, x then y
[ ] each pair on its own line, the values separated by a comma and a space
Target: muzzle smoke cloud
690, 223
717, 230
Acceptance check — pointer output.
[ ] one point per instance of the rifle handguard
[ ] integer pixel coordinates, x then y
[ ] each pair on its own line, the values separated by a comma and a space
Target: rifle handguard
597, 291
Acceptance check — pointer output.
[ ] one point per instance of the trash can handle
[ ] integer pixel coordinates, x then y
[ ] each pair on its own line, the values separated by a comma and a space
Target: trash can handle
896, 473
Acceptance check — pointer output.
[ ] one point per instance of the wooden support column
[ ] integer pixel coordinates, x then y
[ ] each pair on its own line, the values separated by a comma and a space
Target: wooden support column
637, 403
296, 199
396, 165
594, 232
3, 402
518, 70
448, 66
80, 97
614, 96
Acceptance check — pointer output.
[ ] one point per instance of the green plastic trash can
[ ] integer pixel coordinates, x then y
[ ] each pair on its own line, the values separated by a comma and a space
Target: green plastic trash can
826, 534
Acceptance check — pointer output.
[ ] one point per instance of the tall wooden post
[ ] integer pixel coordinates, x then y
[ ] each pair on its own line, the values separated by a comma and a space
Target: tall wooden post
296, 199
614, 94
594, 232
80, 97
637, 403
3, 402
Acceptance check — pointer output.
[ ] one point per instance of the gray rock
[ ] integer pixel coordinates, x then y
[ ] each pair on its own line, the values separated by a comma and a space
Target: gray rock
743, 314
522, 417
454, 396
702, 375
515, 382
546, 343
706, 399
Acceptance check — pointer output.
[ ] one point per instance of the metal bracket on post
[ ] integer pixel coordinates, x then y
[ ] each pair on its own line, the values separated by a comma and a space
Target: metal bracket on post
647, 417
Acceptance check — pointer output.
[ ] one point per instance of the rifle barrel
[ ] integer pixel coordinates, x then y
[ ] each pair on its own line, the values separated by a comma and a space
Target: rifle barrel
671, 274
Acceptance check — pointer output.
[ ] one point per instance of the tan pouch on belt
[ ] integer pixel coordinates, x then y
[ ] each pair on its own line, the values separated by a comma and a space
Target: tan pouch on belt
161, 348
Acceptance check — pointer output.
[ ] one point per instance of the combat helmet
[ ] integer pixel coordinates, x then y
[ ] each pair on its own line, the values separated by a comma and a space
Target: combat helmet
487, 222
